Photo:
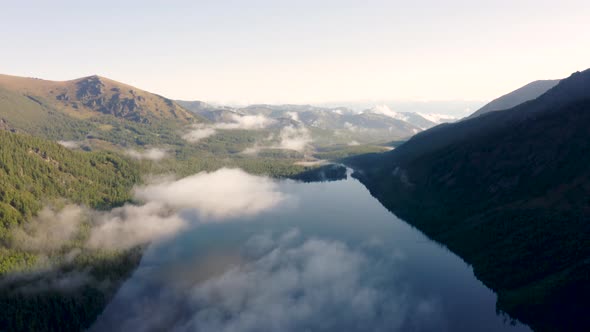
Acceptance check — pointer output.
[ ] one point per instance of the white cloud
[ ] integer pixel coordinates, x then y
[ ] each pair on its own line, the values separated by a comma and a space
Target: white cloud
385, 110
213, 196
38, 281
353, 143
353, 128
294, 116
289, 138
149, 154
198, 133
252, 150
220, 194
294, 138
283, 283
438, 118
245, 122
50, 229
133, 225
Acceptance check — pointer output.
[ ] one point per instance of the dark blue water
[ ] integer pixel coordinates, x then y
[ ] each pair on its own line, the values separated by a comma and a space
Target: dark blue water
330, 258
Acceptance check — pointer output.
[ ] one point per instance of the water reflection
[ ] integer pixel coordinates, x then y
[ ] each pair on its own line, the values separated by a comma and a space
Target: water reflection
329, 258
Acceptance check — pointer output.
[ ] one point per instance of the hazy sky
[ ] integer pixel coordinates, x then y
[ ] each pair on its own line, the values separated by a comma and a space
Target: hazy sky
300, 51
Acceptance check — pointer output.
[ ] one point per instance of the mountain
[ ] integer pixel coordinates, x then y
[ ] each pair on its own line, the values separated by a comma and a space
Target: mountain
339, 122
455, 109
97, 111
528, 92
508, 192
89, 96
420, 120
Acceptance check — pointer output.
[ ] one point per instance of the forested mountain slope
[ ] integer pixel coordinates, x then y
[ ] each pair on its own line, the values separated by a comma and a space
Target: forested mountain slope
509, 192
63, 288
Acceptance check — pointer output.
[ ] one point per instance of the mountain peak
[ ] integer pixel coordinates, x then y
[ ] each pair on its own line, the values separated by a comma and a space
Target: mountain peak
94, 76
94, 95
523, 94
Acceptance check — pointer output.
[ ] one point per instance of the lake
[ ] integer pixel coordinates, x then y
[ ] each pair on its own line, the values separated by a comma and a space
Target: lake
327, 257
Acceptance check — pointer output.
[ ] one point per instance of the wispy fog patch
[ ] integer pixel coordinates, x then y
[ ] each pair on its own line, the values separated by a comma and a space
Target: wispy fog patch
197, 133
153, 154
246, 122
287, 289
439, 118
309, 163
133, 225
286, 282
70, 144
351, 127
42, 281
253, 149
220, 194
50, 229
297, 138
294, 116
120, 228
385, 110
214, 196
294, 138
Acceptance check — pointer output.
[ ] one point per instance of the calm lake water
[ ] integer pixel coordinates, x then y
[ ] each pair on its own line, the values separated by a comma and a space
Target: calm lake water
330, 257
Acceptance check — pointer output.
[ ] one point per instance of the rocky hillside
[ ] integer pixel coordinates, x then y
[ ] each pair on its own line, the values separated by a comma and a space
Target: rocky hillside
95, 95
94, 112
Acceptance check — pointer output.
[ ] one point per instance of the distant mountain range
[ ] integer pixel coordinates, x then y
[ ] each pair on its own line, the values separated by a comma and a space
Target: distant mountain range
378, 123
507, 190
455, 108
104, 113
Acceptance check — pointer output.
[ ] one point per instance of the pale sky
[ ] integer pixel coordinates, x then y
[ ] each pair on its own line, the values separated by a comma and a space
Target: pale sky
300, 51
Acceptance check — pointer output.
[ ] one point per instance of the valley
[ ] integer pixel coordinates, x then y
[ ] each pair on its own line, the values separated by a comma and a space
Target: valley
95, 173
289, 166
73, 153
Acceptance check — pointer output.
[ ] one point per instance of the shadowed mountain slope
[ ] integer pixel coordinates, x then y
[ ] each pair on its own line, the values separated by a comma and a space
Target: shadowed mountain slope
528, 92
508, 192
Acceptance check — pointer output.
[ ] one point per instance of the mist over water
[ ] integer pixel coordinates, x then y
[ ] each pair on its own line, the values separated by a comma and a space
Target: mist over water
329, 257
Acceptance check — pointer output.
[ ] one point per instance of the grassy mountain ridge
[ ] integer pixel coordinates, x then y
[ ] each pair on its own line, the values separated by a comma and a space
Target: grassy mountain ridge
94, 110
88, 96
508, 192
